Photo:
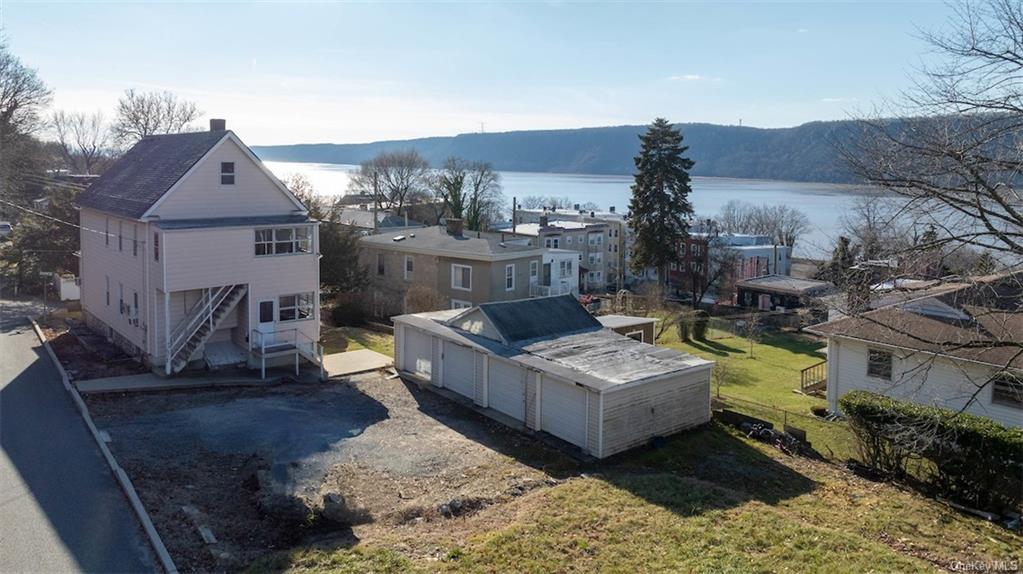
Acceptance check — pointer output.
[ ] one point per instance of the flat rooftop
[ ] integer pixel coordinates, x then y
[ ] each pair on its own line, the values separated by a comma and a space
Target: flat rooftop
619, 321
785, 284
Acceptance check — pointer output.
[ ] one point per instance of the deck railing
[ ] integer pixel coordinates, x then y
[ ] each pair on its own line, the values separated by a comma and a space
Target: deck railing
549, 290
814, 378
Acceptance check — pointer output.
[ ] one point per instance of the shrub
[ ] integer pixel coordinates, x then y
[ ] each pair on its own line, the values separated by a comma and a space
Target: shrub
974, 460
348, 312
700, 321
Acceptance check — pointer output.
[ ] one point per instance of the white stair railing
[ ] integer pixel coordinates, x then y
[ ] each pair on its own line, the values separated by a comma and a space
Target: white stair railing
199, 314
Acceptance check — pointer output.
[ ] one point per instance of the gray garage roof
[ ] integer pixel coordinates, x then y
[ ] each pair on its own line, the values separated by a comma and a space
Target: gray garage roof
147, 171
528, 319
620, 321
597, 359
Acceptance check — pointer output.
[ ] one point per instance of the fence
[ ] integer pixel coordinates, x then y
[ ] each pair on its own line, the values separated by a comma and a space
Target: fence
832, 438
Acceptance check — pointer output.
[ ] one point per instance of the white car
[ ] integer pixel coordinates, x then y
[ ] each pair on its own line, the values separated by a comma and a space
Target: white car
6, 228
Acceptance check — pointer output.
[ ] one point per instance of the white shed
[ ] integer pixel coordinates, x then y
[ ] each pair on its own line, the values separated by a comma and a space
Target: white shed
549, 364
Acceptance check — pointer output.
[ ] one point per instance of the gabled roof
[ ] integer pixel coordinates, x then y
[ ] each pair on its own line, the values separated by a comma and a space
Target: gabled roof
982, 322
147, 171
539, 318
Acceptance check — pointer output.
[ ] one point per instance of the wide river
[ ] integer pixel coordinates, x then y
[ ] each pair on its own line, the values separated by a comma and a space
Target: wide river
822, 203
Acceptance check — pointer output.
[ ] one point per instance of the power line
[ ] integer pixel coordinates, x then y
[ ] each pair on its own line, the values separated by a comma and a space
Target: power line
68, 223
40, 180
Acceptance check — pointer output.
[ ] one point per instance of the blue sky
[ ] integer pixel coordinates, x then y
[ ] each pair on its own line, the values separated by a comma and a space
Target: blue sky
351, 72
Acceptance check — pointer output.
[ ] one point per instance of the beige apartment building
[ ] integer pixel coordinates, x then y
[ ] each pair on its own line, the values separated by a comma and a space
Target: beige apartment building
463, 269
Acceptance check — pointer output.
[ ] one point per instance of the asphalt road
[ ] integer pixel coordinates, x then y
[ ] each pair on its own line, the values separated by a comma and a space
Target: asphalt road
61, 509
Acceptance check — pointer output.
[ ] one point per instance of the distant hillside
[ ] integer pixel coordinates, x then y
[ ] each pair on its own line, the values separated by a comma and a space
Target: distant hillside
801, 153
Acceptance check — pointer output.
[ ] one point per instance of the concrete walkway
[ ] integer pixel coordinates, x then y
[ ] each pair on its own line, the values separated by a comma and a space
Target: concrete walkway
352, 362
61, 508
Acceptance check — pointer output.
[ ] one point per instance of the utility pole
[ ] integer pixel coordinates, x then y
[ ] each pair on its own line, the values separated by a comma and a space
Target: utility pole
514, 212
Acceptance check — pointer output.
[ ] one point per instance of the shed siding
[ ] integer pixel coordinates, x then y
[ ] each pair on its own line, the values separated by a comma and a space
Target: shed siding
634, 415
918, 378
531, 400
593, 423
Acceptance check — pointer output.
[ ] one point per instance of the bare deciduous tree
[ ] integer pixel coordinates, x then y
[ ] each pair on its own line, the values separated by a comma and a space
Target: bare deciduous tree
484, 198
782, 223
141, 114
22, 96
394, 178
448, 184
83, 139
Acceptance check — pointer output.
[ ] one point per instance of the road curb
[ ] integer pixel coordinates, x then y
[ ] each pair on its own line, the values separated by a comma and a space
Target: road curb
122, 477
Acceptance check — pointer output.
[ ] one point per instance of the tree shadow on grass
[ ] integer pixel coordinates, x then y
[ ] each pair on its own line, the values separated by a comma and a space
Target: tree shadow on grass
714, 347
794, 343
723, 468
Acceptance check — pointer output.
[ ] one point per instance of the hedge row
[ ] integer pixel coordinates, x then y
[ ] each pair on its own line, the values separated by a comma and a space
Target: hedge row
974, 460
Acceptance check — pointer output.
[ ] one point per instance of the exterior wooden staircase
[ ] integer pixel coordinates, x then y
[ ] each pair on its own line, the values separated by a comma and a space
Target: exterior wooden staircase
200, 323
814, 379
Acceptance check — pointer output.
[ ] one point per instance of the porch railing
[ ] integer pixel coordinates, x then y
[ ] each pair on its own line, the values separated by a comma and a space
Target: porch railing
284, 340
814, 379
549, 290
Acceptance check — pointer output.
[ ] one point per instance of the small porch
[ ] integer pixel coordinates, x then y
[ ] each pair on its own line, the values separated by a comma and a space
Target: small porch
813, 380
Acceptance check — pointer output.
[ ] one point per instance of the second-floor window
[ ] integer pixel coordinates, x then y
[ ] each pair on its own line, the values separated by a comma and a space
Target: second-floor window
227, 173
461, 277
409, 267
552, 242
509, 277
283, 240
565, 268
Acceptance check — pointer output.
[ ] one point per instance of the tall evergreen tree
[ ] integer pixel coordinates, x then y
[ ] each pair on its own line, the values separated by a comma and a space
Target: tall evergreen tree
660, 207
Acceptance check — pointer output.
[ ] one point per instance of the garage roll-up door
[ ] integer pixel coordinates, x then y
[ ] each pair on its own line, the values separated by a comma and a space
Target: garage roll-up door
563, 411
507, 389
418, 353
459, 369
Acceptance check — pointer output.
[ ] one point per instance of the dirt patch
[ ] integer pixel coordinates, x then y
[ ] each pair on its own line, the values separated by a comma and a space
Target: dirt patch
269, 468
63, 330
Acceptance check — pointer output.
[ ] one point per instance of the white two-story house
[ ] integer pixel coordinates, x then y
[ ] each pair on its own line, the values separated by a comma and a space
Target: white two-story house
193, 253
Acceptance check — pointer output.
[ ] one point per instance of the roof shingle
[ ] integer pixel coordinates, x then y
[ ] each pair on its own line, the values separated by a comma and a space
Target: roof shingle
147, 171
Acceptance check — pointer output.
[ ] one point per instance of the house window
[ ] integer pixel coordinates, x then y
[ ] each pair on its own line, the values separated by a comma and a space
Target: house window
565, 268
227, 173
295, 307
134, 240
509, 277
135, 305
674, 266
108, 290
409, 267
120, 298
461, 277
156, 246
1007, 390
552, 242
283, 240
879, 364
380, 263
459, 304
568, 239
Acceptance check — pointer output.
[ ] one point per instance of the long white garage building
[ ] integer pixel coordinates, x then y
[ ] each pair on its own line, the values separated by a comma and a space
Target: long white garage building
550, 364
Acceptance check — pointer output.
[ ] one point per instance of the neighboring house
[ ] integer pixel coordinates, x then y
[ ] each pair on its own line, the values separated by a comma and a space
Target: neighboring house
779, 292
551, 366
617, 273
462, 268
588, 239
191, 250
559, 274
362, 220
947, 350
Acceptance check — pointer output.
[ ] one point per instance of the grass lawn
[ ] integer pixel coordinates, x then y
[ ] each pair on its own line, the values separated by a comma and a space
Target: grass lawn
340, 339
708, 501
768, 375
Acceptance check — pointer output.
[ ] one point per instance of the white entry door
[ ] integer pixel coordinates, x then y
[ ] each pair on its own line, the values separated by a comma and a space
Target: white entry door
266, 322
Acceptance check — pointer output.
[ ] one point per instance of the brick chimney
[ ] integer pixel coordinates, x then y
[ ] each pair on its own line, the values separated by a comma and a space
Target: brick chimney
454, 226
544, 220
218, 125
